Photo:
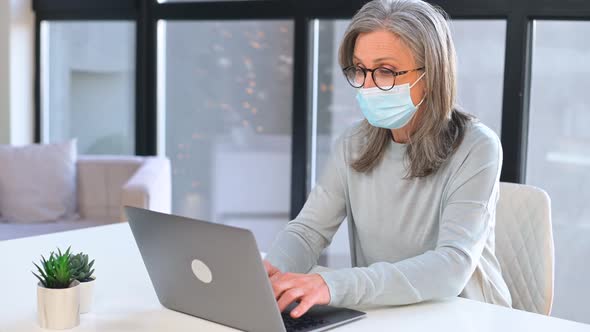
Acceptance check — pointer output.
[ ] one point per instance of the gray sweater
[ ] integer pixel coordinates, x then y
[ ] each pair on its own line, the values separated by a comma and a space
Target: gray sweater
412, 240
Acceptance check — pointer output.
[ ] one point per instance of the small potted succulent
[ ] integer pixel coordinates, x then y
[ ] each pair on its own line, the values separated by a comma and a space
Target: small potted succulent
58, 293
82, 271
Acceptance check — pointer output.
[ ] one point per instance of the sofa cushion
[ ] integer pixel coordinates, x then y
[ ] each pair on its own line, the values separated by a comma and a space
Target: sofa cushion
38, 182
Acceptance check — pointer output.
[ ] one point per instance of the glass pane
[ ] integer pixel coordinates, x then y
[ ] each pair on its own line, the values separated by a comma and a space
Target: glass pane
558, 158
335, 108
228, 110
481, 78
88, 85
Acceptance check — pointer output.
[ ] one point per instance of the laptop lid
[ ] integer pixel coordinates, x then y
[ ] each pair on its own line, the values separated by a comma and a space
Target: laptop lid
192, 265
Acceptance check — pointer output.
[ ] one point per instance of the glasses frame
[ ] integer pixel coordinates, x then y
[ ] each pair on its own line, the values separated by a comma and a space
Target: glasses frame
365, 70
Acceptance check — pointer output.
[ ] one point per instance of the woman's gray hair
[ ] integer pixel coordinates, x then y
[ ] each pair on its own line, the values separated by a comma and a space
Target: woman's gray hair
424, 29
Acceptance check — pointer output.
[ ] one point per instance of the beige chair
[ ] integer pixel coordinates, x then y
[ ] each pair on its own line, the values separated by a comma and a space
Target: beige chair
524, 246
107, 183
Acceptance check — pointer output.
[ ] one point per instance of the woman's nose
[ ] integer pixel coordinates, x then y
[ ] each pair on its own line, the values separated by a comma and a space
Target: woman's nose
369, 83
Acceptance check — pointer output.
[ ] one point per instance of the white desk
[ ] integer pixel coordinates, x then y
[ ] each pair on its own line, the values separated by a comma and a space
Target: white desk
125, 299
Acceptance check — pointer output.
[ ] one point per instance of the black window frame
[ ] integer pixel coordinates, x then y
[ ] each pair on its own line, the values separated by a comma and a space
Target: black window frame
518, 14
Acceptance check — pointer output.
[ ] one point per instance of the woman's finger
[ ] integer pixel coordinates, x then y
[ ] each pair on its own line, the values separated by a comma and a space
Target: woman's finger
284, 283
306, 303
270, 269
289, 297
275, 277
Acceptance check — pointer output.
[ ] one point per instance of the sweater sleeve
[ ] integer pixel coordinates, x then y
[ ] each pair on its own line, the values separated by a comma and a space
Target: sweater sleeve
468, 215
298, 247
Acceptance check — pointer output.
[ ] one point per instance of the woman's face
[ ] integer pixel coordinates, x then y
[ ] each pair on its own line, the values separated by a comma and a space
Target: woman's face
382, 48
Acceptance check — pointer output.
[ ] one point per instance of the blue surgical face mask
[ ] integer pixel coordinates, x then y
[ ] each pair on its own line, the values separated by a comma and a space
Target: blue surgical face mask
390, 109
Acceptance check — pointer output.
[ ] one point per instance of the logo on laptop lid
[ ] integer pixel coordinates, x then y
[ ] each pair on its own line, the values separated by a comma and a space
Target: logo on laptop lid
201, 271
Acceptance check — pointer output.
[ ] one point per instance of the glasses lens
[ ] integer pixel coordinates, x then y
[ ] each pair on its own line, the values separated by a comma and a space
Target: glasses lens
355, 76
384, 78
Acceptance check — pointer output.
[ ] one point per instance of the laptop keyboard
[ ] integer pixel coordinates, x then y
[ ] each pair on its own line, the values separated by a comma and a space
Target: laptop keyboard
302, 323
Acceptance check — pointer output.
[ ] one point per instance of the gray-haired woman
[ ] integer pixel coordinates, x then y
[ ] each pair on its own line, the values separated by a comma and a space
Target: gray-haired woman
418, 180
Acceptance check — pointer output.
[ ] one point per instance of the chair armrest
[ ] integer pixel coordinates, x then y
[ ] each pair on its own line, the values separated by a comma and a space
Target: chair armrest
150, 187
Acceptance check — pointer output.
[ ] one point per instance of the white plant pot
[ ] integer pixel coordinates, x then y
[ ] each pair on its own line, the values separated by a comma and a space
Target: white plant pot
86, 295
58, 309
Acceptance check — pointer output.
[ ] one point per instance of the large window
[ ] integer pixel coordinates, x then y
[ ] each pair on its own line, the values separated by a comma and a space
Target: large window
334, 107
225, 96
559, 151
88, 85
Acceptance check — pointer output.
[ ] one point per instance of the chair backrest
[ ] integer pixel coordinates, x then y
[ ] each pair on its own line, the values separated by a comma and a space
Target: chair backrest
524, 246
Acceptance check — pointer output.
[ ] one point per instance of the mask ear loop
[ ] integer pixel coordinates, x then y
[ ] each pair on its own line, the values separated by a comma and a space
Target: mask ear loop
411, 86
421, 101
418, 80
410, 142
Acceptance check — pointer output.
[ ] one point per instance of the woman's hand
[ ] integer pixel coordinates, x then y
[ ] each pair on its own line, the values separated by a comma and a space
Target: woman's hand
308, 289
271, 270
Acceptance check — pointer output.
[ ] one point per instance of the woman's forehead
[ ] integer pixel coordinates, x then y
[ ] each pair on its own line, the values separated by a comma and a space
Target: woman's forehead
379, 45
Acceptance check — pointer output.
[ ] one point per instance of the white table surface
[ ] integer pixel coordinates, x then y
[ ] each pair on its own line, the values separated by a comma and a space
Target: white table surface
125, 299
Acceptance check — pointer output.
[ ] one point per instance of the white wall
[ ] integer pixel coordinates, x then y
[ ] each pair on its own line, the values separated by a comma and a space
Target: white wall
22, 71
17, 26
4, 72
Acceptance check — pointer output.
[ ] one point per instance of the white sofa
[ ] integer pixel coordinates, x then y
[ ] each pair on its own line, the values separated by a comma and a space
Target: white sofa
104, 185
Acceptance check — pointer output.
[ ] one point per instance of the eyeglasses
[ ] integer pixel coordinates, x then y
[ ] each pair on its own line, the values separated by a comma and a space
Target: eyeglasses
384, 78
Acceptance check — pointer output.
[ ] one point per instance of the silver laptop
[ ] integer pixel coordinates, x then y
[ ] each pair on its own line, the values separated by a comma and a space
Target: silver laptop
215, 272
